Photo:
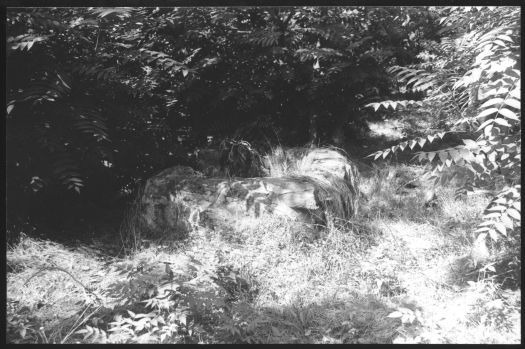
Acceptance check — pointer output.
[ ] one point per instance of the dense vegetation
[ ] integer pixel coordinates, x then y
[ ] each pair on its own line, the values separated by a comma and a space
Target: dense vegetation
100, 99
104, 98
474, 81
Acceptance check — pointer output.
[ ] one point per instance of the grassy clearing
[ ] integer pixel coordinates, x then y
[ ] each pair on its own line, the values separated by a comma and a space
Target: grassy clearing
271, 280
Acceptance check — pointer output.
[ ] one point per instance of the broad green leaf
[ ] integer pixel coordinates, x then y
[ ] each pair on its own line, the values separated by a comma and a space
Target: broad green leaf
487, 112
508, 114
499, 43
507, 222
492, 101
492, 156
488, 130
395, 314
443, 156
501, 228
456, 156
490, 92
372, 105
500, 201
513, 73
514, 214
516, 93
492, 215
493, 235
505, 38
513, 103
465, 153
486, 223
502, 122
484, 124
470, 143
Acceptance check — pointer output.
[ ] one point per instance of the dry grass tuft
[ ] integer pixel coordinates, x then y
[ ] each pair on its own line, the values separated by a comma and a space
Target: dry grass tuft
130, 229
329, 170
283, 162
240, 159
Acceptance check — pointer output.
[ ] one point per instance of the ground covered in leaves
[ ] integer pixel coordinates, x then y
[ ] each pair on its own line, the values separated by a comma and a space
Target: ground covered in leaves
402, 272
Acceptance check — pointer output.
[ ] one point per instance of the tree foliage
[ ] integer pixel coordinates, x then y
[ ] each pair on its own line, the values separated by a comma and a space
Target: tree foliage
100, 98
472, 78
105, 97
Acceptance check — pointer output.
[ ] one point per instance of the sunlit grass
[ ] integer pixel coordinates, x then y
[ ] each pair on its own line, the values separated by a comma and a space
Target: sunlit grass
308, 285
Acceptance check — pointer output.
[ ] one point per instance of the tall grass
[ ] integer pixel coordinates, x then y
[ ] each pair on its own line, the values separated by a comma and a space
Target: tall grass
283, 162
130, 229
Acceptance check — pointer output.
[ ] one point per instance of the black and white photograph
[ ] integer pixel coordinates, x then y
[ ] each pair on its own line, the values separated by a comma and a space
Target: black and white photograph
249, 174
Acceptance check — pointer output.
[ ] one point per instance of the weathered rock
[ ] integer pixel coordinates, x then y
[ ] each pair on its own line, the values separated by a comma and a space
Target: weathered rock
177, 203
179, 199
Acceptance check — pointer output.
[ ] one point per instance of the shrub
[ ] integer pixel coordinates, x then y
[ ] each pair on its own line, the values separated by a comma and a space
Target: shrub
472, 80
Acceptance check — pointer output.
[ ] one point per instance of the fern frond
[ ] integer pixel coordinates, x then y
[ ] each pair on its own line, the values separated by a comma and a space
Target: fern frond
67, 171
393, 104
163, 61
264, 38
39, 90
503, 214
413, 79
421, 141
89, 120
25, 41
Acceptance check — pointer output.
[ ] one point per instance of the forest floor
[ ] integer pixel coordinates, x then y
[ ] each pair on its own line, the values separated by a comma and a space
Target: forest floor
400, 273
